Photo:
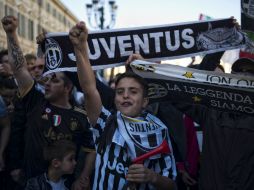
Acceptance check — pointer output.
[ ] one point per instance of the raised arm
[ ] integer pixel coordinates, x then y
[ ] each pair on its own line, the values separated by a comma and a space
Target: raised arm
78, 36
16, 58
211, 61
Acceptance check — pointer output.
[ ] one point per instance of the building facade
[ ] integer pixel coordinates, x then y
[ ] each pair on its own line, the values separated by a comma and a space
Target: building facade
34, 17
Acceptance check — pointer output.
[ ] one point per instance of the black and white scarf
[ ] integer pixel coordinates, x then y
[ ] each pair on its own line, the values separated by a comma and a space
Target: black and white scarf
142, 134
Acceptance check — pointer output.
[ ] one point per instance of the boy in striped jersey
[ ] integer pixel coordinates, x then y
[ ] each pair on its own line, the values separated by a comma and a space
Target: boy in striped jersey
126, 134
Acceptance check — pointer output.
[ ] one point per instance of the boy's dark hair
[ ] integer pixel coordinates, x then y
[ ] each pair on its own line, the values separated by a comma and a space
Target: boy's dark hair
29, 57
3, 53
113, 80
137, 78
58, 150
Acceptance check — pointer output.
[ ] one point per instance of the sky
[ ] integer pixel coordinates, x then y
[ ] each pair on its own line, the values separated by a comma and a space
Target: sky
135, 13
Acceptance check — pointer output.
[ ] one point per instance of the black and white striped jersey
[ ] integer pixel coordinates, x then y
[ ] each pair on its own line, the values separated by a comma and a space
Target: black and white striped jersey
112, 164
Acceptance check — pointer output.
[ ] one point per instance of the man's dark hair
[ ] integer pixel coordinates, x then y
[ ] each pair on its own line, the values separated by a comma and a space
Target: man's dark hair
8, 83
3, 53
67, 80
243, 65
58, 150
137, 78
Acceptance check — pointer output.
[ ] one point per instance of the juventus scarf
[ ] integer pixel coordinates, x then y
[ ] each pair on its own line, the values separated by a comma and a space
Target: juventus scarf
109, 48
142, 134
219, 91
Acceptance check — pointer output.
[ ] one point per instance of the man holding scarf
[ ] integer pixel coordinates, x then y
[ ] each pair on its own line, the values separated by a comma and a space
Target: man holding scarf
228, 151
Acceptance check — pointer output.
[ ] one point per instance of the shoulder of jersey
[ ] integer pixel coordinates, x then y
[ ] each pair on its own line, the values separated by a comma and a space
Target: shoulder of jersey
77, 109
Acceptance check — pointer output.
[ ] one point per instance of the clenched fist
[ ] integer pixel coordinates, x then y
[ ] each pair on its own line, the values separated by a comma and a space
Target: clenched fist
10, 24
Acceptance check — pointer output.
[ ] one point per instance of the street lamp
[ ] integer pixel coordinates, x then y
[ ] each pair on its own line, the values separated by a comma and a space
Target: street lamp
96, 19
96, 13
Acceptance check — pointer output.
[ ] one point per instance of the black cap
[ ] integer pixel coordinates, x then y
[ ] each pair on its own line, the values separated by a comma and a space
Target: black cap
243, 65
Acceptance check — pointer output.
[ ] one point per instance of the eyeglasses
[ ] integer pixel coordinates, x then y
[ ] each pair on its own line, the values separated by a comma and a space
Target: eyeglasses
48, 77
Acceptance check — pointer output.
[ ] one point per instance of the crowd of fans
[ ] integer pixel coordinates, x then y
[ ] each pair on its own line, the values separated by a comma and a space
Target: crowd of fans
56, 137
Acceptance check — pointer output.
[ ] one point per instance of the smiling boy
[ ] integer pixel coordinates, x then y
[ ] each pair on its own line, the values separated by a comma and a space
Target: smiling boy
116, 146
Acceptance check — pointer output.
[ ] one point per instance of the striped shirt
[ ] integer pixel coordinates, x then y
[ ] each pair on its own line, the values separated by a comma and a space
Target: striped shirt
112, 164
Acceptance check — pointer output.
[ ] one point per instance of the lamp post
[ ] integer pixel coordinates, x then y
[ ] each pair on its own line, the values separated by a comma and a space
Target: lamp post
96, 19
96, 14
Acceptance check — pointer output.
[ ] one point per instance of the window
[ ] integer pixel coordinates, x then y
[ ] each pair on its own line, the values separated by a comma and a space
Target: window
9, 11
64, 20
30, 30
2, 10
6, 10
40, 3
39, 29
19, 26
59, 16
54, 12
48, 8
22, 25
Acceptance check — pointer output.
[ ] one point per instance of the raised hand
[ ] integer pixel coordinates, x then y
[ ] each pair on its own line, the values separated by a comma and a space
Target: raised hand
41, 37
78, 35
10, 24
131, 58
134, 57
236, 23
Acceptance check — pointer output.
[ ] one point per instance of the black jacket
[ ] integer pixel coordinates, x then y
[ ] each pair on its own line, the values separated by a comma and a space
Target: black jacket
41, 182
228, 152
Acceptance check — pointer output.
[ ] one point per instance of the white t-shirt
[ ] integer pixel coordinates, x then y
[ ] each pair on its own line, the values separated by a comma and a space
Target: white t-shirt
57, 185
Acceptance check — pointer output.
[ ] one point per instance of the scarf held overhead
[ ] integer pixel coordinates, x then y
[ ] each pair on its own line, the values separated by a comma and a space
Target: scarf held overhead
179, 84
109, 48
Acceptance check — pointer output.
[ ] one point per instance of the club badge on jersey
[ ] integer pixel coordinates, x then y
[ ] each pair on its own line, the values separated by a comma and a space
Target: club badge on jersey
73, 124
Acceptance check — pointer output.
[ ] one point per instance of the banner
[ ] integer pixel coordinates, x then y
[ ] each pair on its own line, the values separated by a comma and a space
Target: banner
247, 25
109, 48
179, 84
